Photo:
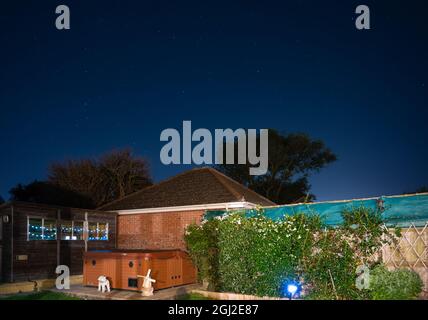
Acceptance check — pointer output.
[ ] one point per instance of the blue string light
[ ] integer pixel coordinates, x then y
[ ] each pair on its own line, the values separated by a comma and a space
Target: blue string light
41, 232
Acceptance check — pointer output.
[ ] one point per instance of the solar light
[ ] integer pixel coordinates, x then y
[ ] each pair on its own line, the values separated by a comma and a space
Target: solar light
291, 289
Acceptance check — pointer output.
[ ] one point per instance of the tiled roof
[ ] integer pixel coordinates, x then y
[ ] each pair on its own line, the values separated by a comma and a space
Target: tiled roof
194, 187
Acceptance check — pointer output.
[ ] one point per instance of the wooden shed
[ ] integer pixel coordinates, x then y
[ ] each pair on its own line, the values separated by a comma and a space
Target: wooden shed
36, 238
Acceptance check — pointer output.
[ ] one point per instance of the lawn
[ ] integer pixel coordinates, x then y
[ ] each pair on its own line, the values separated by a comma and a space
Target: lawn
193, 296
43, 295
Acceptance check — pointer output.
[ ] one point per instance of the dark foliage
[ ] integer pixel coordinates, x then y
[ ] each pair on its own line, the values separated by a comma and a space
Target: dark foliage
422, 189
108, 178
88, 183
48, 193
292, 158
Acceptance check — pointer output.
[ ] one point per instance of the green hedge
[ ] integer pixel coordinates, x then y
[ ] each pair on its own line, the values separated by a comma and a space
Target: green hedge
263, 252
256, 255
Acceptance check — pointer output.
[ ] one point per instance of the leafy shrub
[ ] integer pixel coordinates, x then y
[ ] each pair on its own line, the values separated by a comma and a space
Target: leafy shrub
331, 269
202, 243
366, 232
400, 284
256, 255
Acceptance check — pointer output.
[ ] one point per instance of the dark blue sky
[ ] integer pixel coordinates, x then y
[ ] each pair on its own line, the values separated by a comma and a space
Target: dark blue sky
129, 69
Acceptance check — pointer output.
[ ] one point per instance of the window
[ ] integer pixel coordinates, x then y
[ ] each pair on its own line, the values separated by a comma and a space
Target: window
41, 229
78, 230
97, 231
35, 229
49, 231
92, 231
71, 230
102, 231
66, 230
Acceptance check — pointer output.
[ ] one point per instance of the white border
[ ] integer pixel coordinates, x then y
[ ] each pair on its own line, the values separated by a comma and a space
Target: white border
213, 206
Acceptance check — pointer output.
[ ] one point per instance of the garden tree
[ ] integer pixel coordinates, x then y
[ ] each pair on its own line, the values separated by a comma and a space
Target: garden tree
292, 158
1, 200
108, 178
81, 176
124, 174
419, 190
48, 193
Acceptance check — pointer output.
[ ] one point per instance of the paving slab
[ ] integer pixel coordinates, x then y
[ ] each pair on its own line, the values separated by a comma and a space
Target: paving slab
92, 293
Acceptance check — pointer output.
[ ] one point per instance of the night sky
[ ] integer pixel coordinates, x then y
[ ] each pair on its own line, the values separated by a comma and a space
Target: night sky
129, 69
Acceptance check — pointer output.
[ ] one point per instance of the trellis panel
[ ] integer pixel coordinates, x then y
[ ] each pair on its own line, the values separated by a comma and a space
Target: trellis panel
410, 252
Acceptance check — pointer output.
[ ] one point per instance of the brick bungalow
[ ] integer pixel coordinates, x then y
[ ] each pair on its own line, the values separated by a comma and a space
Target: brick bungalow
155, 218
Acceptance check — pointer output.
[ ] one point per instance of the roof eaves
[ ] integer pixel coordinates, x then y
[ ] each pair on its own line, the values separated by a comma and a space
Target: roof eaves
196, 207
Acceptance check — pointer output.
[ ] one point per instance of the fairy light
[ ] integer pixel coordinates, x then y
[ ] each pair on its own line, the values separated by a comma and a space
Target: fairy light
37, 230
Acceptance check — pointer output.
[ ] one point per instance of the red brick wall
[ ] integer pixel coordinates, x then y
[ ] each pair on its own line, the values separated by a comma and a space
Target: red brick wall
155, 230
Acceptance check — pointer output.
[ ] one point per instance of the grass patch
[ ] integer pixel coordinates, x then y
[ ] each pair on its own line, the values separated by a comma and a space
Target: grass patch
193, 296
43, 295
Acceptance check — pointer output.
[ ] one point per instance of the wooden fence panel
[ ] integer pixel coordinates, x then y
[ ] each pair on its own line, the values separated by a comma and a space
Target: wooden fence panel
410, 252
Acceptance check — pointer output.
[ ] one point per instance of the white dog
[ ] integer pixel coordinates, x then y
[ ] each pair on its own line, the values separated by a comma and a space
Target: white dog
103, 284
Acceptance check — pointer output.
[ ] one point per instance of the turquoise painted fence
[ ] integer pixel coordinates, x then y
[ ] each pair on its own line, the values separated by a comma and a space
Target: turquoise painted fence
400, 211
409, 212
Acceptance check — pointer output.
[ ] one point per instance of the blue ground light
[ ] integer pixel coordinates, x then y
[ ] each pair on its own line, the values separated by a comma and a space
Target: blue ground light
291, 289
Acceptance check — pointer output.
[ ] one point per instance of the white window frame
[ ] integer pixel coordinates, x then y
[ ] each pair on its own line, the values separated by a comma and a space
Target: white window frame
72, 230
43, 228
